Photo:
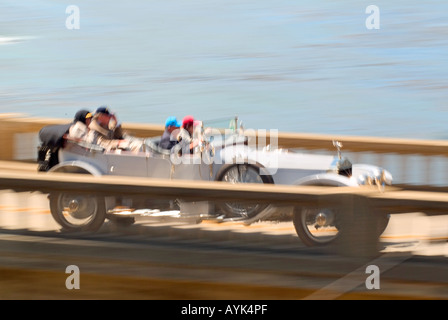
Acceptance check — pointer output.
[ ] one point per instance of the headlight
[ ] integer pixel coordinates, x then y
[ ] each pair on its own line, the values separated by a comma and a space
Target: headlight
379, 178
365, 180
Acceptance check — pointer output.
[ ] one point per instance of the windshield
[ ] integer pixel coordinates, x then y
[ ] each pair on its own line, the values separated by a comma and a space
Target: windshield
232, 123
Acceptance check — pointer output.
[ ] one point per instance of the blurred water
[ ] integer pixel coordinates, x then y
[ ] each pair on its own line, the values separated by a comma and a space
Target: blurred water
299, 66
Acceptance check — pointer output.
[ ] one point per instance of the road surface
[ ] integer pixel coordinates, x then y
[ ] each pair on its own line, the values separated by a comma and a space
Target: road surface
153, 259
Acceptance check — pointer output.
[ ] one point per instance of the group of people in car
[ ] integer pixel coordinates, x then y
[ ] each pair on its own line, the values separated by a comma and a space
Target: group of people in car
103, 129
176, 132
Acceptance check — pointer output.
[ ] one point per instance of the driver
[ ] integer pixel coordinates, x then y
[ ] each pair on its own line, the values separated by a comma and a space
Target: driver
187, 137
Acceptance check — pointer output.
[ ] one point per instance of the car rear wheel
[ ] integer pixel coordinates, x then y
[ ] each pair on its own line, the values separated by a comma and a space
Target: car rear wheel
77, 212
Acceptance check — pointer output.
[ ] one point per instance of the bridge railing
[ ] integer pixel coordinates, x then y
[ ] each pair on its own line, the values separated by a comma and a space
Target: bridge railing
411, 162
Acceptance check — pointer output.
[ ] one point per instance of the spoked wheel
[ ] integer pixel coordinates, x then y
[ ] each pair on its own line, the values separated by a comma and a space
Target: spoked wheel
242, 173
316, 226
322, 226
78, 212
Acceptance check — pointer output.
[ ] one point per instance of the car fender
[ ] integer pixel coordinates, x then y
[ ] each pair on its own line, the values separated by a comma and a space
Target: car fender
326, 179
76, 167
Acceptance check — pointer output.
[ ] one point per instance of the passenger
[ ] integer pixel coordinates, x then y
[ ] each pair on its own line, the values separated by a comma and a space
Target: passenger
169, 139
186, 135
52, 139
105, 131
79, 129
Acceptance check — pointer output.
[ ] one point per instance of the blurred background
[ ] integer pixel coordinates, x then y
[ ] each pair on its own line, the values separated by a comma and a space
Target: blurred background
291, 65
297, 66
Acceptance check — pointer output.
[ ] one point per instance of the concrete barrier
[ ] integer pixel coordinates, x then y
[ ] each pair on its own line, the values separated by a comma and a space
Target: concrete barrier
391, 200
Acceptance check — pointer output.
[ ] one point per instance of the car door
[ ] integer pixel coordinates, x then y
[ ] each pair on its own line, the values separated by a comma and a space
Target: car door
191, 167
158, 166
126, 163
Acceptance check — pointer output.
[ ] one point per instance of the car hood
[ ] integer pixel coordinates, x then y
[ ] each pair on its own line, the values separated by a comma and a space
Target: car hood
276, 158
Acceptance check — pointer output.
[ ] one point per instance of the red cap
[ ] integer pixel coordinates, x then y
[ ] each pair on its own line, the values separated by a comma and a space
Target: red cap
187, 120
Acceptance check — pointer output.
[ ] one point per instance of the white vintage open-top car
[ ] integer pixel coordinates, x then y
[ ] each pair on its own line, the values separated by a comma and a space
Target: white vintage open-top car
229, 157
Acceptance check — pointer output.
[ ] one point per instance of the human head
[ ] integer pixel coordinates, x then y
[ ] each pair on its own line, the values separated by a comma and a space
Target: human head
187, 123
84, 116
103, 116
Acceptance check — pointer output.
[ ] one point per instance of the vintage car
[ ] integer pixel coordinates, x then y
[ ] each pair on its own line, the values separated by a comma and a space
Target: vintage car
220, 156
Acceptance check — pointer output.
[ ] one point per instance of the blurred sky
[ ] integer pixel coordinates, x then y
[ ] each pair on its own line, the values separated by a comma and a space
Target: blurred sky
298, 66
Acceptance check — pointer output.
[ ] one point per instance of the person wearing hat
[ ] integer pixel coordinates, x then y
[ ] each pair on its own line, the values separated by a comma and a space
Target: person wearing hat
52, 138
186, 136
107, 120
105, 131
79, 129
169, 139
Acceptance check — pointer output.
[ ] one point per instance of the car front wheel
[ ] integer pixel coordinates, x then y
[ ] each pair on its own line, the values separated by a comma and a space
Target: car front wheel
316, 226
321, 226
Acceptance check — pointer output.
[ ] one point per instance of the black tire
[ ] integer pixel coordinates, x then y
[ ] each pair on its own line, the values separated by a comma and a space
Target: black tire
304, 222
235, 210
87, 212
